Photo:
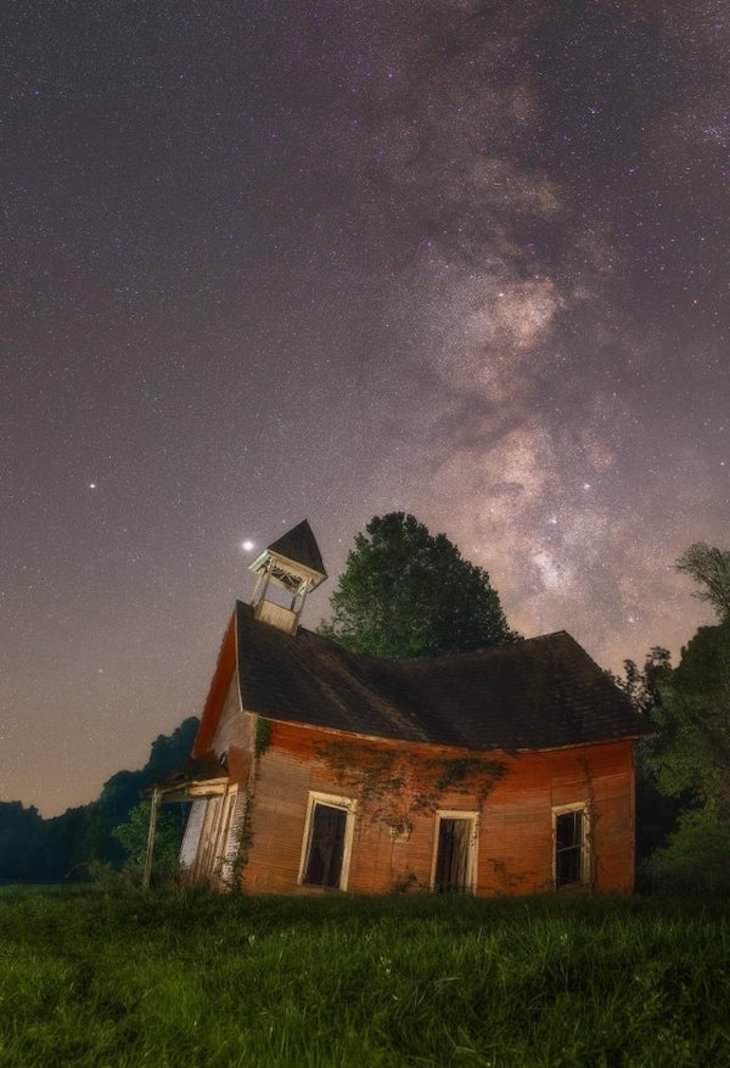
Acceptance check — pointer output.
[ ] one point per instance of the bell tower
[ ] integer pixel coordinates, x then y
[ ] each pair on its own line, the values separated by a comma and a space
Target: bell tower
292, 564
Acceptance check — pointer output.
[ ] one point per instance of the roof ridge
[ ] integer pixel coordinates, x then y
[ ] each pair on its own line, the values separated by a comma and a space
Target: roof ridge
456, 654
303, 631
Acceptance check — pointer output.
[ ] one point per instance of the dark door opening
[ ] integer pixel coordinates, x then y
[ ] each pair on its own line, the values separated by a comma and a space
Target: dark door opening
326, 846
453, 856
569, 848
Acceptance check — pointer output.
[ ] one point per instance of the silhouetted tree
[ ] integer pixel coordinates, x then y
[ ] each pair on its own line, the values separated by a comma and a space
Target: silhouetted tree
710, 568
643, 685
656, 813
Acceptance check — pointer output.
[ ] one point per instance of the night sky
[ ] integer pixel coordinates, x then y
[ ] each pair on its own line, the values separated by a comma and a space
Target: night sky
269, 260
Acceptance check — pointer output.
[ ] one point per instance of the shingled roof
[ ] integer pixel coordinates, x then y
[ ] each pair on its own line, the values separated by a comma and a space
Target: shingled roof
540, 693
300, 545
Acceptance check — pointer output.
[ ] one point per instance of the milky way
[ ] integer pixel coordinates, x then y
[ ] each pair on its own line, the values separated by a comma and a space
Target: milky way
268, 261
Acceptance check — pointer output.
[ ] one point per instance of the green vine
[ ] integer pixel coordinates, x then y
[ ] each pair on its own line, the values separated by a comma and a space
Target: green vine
262, 736
261, 742
245, 842
392, 786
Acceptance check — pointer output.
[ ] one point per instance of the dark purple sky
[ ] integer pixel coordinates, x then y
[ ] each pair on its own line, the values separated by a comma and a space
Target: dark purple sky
264, 261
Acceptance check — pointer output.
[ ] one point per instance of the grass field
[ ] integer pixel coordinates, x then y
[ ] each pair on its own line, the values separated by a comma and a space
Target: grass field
92, 979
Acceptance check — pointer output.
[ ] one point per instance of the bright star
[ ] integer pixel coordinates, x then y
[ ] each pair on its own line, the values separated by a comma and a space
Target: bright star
92, 485
248, 546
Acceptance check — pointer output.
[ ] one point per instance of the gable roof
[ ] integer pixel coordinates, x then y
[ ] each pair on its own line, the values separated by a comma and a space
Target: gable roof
539, 693
300, 545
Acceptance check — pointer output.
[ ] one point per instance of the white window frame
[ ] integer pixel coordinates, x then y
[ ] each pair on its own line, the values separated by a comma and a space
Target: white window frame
585, 851
458, 814
349, 806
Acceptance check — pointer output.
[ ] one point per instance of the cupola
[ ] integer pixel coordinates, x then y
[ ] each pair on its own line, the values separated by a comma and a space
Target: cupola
286, 572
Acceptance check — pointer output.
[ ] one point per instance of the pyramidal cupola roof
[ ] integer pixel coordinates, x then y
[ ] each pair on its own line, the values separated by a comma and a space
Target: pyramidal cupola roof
300, 546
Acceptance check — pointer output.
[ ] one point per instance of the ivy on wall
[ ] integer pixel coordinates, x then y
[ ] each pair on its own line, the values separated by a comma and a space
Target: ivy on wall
262, 736
391, 786
261, 742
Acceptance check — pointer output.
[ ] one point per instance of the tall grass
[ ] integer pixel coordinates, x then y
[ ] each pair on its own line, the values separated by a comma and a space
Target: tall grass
96, 979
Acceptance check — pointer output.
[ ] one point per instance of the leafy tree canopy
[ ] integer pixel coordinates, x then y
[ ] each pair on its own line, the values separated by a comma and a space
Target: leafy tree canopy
407, 592
132, 834
691, 751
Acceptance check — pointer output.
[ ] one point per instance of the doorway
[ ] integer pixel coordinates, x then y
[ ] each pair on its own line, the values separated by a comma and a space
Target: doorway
454, 867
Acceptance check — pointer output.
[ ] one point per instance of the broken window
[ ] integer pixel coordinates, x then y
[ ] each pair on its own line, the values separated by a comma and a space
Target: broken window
328, 842
453, 868
570, 853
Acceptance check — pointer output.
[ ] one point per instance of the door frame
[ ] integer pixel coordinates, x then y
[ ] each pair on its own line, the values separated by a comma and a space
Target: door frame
472, 861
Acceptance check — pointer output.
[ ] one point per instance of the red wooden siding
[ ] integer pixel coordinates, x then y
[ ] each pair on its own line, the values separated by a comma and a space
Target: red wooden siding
515, 852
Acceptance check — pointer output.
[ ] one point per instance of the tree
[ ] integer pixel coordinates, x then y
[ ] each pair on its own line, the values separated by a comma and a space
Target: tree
132, 834
691, 756
683, 787
656, 813
692, 751
406, 592
22, 856
710, 567
643, 685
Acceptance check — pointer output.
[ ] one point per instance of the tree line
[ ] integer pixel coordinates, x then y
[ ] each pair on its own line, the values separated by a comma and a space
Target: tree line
90, 837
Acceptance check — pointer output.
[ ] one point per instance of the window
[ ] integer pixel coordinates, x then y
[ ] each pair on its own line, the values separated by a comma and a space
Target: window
571, 861
327, 841
454, 868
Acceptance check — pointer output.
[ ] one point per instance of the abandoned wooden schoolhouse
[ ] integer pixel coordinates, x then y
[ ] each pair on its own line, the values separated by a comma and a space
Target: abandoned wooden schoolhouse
507, 771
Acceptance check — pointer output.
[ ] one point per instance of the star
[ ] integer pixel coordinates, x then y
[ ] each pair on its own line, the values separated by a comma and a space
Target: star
248, 546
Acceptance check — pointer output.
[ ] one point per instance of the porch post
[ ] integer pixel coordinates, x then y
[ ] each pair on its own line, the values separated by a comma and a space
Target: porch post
149, 853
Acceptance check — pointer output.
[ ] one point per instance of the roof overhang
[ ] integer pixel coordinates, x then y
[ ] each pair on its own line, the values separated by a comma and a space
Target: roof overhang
192, 791
219, 685
459, 748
